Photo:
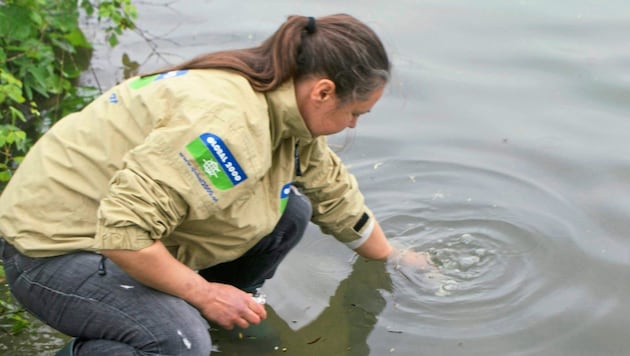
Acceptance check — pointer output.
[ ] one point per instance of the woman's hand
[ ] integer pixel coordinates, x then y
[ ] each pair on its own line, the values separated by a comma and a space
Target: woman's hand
411, 259
155, 267
229, 306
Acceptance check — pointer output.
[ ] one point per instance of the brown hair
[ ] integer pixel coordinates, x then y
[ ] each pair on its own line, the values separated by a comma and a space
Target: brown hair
338, 47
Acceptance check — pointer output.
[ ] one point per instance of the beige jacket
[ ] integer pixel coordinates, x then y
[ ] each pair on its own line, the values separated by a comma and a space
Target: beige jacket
195, 158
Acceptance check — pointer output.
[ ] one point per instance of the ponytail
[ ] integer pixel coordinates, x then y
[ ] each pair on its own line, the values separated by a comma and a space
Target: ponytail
338, 47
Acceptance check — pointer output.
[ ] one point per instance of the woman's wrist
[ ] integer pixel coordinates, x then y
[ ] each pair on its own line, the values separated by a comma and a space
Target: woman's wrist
395, 256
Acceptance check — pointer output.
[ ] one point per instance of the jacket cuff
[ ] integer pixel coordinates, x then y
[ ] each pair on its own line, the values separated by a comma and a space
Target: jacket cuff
364, 236
121, 238
355, 235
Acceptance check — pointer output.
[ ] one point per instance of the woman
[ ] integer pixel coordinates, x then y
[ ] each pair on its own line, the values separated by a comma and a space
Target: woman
171, 198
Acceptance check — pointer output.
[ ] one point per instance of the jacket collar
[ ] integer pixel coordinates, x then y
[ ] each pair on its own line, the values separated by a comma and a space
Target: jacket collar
285, 118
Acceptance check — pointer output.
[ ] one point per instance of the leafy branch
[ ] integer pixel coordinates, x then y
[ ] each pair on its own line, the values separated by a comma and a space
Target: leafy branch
42, 54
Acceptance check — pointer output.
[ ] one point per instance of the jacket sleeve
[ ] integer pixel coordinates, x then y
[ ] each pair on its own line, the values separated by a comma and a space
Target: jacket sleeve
338, 204
137, 211
161, 184
149, 197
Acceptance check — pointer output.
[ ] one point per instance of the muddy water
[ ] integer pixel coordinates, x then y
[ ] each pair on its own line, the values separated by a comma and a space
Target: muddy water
500, 147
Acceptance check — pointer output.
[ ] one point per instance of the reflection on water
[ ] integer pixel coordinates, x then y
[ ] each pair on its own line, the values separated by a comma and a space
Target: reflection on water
342, 328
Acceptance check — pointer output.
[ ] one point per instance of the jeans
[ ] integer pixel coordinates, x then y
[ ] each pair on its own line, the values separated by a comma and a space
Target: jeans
86, 296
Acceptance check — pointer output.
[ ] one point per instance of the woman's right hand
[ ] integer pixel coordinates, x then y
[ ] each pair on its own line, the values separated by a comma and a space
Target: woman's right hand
223, 304
229, 306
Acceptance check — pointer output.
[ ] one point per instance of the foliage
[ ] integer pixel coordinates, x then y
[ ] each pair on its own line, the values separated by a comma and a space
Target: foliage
12, 318
42, 53
120, 14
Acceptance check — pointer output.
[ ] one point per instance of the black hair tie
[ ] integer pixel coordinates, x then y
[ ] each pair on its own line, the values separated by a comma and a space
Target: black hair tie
310, 26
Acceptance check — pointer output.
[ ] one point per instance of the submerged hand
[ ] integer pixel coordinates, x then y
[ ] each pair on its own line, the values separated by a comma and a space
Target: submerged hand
418, 268
411, 259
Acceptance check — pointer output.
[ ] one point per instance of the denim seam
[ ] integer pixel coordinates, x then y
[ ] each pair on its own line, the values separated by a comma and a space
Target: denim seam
96, 301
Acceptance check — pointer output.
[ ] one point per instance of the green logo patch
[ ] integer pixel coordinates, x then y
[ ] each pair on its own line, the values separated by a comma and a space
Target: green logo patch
216, 161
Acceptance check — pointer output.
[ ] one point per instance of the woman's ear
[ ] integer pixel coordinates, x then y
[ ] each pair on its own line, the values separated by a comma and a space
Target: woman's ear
323, 90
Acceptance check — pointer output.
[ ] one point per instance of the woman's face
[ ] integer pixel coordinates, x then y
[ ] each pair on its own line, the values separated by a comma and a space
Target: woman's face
322, 110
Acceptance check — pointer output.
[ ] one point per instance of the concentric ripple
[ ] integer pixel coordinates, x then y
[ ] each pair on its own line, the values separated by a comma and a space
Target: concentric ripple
503, 249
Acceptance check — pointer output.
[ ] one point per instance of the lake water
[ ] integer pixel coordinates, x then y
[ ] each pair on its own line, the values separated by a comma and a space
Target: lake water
501, 146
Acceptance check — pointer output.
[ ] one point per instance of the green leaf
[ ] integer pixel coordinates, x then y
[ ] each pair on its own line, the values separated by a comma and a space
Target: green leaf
113, 40
16, 114
104, 10
37, 18
28, 92
62, 44
14, 93
77, 39
10, 87
15, 136
41, 81
5, 175
19, 135
88, 7
33, 48
15, 23
10, 137
19, 324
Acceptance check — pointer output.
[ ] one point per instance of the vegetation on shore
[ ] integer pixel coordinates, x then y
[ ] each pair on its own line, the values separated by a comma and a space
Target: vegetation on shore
43, 51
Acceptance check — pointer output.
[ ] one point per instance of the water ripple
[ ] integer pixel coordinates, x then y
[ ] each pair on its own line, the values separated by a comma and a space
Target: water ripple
505, 250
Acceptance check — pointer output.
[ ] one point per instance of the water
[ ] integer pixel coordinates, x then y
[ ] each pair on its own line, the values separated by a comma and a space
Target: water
500, 147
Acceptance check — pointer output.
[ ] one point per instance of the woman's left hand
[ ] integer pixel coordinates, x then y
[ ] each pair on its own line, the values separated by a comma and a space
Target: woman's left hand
411, 259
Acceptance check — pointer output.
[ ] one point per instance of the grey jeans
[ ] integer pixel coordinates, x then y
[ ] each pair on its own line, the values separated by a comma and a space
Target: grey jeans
88, 297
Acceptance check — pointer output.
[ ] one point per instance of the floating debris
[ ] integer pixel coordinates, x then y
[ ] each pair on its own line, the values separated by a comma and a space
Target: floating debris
446, 288
314, 341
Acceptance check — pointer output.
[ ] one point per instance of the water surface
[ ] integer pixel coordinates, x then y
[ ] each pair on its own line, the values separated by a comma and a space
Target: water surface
500, 147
